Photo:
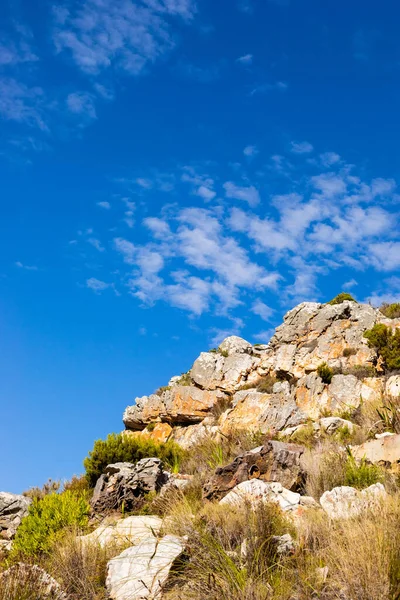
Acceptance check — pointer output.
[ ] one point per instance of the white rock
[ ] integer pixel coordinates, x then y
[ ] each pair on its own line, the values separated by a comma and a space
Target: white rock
332, 424
344, 502
131, 530
139, 572
392, 387
254, 491
235, 345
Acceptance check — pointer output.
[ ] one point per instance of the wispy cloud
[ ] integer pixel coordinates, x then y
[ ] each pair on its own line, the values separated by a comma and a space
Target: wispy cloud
97, 285
21, 103
301, 147
123, 36
82, 104
21, 265
250, 151
104, 204
246, 59
247, 193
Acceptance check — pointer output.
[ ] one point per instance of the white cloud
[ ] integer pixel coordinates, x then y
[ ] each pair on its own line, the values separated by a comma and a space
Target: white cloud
104, 204
100, 35
82, 104
330, 184
97, 285
21, 103
246, 59
329, 158
249, 194
250, 151
206, 193
262, 310
301, 147
350, 284
96, 244
21, 265
144, 183
385, 256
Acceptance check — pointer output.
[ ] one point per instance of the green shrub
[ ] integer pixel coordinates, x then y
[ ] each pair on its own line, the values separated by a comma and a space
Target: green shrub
349, 352
389, 414
386, 343
185, 379
162, 389
341, 298
361, 475
391, 311
360, 371
47, 521
325, 372
123, 448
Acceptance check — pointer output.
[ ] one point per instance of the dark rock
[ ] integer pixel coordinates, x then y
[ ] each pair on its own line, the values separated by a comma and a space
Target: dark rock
275, 461
126, 484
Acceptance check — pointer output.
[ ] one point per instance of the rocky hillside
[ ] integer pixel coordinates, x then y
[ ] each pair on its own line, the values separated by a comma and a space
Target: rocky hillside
273, 387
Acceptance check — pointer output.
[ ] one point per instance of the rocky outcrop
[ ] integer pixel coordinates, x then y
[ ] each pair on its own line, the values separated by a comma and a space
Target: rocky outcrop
13, 508
273, 462
126, 484
344, 502
226, 389
139, 572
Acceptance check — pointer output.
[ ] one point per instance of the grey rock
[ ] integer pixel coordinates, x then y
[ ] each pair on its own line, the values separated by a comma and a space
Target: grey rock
140, 571
331, 424
13, 508
284, 544
235, 345
255, 491
344, 502
345, 391
126, 483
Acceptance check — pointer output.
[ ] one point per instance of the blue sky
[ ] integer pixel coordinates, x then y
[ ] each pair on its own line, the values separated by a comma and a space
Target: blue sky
175, 171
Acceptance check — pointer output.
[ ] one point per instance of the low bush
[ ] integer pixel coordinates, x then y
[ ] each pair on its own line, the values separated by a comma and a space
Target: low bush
349, 352
125, 448
47, 488
325, 372
185, 379
391, 311
341, 298
266, 384
164, 388
360, 371
328, 466
47, 521
386, 343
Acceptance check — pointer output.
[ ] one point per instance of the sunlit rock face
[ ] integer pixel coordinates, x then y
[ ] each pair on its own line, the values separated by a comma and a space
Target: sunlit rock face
271, 387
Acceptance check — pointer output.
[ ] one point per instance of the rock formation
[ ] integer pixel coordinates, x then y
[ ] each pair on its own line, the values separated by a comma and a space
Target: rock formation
12, 510
271, 387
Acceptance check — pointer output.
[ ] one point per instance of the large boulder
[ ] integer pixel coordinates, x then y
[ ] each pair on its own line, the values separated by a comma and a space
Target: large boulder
140, 572
13, 508
131, 530
344, 502
273, 462
254, 491
385, 450
127, 483
179, 404
252, 410
214, 371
